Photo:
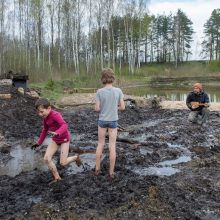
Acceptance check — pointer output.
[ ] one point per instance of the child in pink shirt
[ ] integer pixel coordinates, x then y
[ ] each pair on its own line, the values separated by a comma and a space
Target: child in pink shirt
55, 126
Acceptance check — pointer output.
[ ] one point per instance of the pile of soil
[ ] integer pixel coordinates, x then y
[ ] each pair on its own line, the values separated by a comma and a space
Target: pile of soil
147, 138
18, 116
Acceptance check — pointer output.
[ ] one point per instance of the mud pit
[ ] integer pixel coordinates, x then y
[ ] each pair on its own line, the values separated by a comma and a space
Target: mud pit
166, 168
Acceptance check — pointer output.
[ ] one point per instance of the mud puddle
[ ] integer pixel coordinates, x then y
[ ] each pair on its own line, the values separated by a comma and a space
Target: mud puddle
23, 160
157, 171
88, 164
163, 168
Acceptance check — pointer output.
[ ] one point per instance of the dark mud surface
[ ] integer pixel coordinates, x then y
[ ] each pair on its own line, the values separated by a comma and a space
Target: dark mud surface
166, 168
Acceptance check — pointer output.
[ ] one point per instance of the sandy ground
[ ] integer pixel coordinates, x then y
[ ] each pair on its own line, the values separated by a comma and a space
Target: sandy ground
214, 106
89, 98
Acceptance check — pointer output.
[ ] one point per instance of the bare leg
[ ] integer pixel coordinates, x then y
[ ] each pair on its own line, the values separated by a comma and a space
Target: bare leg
51, 150
101, 144
112, 149
64, 159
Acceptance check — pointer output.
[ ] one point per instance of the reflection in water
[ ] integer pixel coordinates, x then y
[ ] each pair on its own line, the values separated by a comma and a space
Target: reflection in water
170, 96
88, 160
35, 199
157, 171
171, 93
181, 159
24, 159
163, 168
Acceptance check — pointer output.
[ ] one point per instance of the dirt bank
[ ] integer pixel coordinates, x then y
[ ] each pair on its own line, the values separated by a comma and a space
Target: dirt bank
166, 168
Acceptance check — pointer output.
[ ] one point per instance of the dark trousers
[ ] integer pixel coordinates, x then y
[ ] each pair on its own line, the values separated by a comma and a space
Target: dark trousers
199, 117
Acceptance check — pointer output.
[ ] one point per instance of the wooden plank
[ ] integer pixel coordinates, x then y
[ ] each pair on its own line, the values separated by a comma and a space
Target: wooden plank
5, 96
5, 82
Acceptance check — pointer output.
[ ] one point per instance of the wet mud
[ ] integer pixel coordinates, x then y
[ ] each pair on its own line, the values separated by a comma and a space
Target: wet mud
166, 168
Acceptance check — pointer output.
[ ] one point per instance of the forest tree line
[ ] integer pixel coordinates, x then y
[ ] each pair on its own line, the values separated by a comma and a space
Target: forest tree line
86, 35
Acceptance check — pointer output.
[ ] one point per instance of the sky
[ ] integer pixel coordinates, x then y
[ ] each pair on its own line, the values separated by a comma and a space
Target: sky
198, 11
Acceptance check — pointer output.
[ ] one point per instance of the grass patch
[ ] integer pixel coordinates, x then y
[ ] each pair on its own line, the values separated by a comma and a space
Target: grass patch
54, 89
49, 89
214, 66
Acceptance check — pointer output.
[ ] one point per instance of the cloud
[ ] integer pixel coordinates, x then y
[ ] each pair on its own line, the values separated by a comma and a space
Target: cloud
198, 11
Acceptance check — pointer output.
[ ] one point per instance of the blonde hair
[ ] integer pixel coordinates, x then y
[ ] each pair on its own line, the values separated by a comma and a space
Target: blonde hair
108, 76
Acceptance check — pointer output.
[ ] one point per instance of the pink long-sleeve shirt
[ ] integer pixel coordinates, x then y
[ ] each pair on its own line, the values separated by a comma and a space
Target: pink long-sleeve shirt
55, 122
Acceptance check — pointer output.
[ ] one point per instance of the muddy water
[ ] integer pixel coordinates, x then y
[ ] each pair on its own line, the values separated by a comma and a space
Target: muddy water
172, 93
88, 164
163, 168
23, 160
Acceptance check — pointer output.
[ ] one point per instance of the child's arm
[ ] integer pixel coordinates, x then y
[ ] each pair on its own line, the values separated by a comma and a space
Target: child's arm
97, 102
97, 106
43, 134
121, 105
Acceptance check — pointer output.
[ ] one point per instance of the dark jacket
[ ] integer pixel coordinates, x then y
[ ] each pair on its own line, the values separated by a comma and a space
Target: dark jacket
202, 97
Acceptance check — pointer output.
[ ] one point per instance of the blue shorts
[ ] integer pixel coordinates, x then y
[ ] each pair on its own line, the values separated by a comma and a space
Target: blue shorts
107, 124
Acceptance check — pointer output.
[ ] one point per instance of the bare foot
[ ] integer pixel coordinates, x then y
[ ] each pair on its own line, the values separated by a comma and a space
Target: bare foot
97, 172
54, 181
78, 161
112, 176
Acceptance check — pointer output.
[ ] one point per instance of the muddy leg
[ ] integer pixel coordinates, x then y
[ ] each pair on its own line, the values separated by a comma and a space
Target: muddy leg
51, 150
101, 143
64, 159
112, 149
205, 114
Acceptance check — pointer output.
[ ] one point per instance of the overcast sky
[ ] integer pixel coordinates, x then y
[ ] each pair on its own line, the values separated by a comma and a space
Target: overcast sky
198, 11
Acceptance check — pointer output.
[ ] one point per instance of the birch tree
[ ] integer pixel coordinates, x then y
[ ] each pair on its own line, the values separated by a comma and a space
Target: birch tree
37, 14
2, 33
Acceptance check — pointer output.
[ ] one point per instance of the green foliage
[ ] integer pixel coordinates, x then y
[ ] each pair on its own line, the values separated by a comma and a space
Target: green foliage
153, 70
54, 89
214, 66
50, 89
50, 85
211, 43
